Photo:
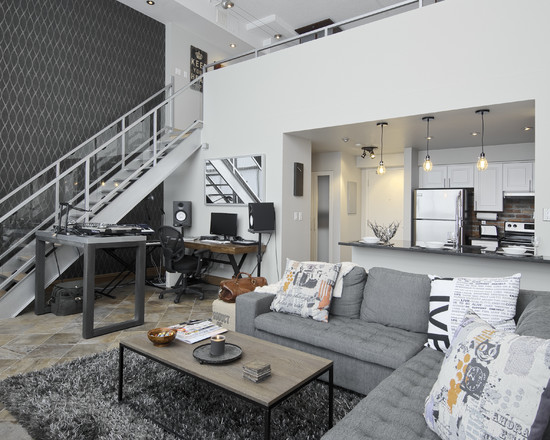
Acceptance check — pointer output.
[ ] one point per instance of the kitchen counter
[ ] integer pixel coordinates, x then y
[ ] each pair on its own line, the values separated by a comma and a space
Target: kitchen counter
468, 261
465, 251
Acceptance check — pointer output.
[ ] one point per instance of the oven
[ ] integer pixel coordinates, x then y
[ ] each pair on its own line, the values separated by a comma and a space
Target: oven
519, 234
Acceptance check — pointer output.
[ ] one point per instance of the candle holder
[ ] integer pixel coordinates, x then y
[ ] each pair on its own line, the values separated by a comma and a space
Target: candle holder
217, 345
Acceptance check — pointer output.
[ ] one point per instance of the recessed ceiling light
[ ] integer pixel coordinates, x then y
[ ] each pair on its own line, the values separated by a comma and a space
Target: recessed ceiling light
227, 4
278, 36
150, 2
232, 45
345, 139
475, 133
358, 145
527, 128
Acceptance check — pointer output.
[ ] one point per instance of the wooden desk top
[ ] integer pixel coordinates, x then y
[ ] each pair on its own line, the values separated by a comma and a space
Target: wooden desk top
224, 248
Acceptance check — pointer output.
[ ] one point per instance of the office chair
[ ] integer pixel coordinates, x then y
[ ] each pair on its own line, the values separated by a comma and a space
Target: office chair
175, 260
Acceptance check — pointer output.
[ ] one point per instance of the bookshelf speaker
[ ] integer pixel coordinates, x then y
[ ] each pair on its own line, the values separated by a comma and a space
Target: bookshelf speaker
261, 217
182, 214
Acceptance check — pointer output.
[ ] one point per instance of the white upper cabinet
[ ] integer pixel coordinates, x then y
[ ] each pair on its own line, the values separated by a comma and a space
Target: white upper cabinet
518, 176
447, 176
488, 188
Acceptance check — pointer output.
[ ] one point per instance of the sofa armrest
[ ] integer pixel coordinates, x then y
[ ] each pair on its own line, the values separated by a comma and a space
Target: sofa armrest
248, 306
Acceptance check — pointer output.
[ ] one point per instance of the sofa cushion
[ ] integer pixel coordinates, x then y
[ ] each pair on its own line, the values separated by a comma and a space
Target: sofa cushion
398, 299
307, 289
494, 299
393, 409
369, 342
493, 383
349, 304
534, 319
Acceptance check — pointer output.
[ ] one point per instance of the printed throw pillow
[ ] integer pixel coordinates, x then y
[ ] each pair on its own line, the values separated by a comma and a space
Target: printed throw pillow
492, 384
306, 289
493, 299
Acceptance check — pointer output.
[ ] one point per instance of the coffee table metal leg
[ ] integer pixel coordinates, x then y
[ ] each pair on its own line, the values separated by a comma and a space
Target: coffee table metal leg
330, 397
120, 371
267, 424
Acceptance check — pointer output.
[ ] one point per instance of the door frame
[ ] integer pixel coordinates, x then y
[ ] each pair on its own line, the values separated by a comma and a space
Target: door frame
314, 224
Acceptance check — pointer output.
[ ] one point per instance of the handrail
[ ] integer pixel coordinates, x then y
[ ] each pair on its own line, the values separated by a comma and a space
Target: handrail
325, 30
74, 150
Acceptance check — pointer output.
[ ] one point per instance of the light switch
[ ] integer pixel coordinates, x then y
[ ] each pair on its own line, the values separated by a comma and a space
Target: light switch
546, 214
300, 216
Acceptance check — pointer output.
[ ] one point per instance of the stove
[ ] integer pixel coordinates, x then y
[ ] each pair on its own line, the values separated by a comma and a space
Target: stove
519, 234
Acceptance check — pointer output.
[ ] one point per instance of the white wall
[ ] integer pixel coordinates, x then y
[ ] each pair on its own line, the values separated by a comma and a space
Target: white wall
350, 224
477, 61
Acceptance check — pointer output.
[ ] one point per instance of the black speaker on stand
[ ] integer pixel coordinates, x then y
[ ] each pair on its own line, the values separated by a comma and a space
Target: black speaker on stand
182, 215
261, 218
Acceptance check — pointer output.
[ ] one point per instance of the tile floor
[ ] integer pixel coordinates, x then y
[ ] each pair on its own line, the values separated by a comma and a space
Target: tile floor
30, 342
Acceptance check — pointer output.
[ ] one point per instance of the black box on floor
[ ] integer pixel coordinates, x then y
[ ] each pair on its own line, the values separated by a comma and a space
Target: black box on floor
67, 298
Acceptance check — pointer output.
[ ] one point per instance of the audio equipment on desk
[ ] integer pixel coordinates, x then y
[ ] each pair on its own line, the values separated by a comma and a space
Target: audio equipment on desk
111, 229
182, 214
261, 217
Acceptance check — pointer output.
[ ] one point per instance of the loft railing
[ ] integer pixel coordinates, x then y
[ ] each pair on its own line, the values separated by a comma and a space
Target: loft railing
317, 33
80, 176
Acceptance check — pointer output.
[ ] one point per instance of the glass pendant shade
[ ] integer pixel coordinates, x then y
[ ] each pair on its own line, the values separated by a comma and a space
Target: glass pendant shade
381, 168
428, 165
482, 163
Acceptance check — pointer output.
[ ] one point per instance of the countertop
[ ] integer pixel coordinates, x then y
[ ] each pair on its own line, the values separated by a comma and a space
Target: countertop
463, 251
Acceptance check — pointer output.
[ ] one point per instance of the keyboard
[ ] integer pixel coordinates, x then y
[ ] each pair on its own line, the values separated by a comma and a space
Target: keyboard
216, 241
244, 242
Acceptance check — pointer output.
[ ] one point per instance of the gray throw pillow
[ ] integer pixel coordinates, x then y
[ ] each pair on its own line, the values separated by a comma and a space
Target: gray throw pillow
349, 304
534, 319
398, 299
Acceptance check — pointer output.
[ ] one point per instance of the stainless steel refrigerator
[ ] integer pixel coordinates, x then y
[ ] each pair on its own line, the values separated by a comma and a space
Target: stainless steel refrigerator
440, 215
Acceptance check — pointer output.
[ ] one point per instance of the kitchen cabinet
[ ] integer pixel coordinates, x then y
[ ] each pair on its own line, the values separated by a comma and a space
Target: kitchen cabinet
488, 188
518, 176
447, 176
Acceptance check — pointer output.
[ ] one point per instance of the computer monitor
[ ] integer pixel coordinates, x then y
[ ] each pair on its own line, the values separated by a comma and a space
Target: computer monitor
223, 223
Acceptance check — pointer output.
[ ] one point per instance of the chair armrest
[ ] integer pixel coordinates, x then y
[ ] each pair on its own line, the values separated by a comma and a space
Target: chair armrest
248, 306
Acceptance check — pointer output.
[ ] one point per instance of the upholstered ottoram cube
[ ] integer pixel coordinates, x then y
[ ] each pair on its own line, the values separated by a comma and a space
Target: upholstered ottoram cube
223, 314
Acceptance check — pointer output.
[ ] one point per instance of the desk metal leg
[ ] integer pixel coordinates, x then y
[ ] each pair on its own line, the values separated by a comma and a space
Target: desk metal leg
330, 396
89, 292
267, 424
39, 279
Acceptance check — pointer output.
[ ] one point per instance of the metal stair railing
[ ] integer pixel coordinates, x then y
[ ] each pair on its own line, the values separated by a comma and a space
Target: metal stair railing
34, 205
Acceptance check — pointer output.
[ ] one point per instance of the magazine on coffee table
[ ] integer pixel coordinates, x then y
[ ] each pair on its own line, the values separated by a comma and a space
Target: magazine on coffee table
195, 331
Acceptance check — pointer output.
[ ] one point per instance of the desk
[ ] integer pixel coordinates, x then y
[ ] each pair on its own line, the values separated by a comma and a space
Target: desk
228, 249
89, 245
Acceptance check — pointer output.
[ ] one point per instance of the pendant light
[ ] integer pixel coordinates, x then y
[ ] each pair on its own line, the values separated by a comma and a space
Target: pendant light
482, 163
427, 165
381, 168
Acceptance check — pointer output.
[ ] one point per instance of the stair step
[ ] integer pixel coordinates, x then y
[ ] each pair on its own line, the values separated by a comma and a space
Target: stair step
18, 277
24, 258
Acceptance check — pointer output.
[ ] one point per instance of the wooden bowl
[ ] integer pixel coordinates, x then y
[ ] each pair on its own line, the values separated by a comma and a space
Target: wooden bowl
161, 336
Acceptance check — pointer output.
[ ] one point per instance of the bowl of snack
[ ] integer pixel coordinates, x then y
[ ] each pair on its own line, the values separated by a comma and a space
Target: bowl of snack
161, 336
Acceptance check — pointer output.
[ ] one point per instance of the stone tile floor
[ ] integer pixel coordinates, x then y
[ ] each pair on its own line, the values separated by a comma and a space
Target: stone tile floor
30, 342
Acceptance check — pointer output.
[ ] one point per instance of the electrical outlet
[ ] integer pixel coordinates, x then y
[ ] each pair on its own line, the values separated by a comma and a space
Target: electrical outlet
546, 214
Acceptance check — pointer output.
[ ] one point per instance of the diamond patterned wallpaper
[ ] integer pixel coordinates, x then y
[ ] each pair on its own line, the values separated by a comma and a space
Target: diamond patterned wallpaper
68, 68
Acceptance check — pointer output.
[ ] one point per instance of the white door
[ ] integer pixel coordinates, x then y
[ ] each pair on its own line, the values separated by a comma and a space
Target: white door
321, 217
384, 200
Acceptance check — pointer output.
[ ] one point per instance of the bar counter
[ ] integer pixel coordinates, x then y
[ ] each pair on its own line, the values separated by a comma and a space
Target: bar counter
471, 261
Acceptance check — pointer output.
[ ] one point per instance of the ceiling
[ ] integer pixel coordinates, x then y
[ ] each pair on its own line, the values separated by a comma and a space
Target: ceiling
252, 24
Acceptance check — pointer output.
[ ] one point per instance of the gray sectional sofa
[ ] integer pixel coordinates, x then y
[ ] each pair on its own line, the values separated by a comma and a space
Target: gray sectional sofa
376, 336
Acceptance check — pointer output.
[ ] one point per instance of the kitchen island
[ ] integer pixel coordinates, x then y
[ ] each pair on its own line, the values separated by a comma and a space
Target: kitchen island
470, 261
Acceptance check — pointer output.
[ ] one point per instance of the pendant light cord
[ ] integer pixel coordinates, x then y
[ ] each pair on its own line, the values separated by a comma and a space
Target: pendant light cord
482, 130
382, 143
428, 137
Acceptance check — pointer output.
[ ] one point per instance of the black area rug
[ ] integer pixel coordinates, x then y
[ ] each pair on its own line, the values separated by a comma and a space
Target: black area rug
78, 400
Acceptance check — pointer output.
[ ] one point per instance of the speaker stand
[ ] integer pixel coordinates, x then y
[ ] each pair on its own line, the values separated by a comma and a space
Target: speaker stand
259, 254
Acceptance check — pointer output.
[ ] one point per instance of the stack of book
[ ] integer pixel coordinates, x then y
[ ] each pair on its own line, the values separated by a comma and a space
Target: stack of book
256, 371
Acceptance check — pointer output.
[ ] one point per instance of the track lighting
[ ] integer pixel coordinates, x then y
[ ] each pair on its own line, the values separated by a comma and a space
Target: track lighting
369, 150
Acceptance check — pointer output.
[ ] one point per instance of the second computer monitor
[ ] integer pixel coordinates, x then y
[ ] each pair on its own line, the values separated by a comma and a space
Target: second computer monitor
223, 223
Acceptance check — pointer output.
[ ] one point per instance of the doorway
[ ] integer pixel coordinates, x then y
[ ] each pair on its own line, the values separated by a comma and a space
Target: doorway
383, 202
321, 217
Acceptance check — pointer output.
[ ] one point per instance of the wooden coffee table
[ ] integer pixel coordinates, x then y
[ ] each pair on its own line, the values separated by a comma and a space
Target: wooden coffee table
290, 369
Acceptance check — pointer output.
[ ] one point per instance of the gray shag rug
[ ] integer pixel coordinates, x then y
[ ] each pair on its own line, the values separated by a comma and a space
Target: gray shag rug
78, 400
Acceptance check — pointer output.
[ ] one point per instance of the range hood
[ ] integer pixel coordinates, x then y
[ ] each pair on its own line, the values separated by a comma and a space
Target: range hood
519, 194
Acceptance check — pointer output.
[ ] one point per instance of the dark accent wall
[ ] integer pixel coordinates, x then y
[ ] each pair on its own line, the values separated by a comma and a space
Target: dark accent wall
515, 209
69, 68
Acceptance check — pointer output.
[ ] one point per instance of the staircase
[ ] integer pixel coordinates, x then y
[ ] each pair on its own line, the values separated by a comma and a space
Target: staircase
102, 180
